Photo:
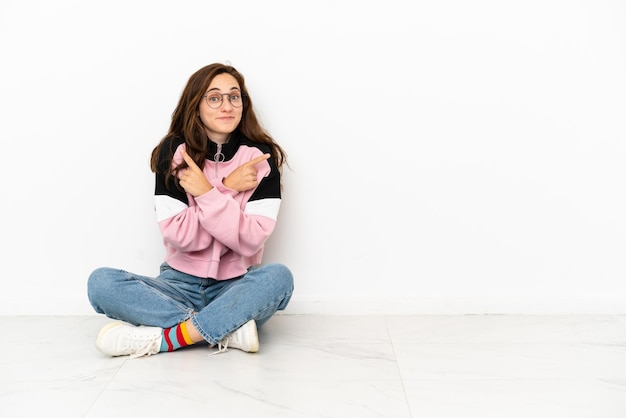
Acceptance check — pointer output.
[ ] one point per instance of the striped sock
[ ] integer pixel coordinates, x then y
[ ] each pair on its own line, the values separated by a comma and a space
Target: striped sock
175, 338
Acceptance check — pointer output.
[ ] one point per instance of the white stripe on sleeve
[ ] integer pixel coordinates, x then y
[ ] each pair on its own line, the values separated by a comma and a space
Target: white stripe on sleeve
166, 207
265, 207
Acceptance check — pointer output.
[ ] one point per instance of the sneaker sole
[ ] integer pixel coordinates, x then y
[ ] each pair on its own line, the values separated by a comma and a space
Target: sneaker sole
103, 331
254, 347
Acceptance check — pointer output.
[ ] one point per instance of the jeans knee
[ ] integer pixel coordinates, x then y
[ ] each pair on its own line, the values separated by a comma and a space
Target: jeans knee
282, 275
98, 284
96, 278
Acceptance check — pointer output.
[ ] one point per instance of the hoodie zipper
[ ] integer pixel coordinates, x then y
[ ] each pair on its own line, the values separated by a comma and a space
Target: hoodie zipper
218, 158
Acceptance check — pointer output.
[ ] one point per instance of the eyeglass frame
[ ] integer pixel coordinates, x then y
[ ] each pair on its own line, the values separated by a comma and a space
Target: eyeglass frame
206, 97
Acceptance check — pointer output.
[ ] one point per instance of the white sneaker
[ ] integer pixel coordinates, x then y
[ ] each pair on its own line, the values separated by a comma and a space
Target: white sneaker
121, 339
244, 338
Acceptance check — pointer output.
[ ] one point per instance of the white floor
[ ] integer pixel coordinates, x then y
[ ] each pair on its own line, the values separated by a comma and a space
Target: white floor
328, 366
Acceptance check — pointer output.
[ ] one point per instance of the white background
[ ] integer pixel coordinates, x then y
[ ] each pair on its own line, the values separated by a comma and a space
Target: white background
445, 156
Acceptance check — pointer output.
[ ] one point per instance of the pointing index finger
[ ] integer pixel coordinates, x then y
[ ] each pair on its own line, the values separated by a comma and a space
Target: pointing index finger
257, 160
190, 162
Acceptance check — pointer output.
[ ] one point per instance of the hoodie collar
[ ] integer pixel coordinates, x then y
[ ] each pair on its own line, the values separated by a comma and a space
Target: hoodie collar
228, 149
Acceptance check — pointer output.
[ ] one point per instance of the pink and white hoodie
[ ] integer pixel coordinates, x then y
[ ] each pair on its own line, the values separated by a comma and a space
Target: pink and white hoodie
221, 233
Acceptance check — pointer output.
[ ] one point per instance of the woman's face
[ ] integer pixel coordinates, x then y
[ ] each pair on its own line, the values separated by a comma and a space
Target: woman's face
222, 117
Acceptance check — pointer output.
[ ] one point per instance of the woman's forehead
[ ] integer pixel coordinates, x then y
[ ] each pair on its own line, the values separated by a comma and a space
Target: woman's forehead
224, 82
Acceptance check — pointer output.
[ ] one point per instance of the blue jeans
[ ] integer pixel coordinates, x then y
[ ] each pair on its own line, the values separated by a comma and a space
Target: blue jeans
216, 308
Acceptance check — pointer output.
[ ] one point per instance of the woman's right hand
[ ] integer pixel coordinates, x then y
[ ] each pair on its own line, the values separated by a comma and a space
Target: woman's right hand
192, 179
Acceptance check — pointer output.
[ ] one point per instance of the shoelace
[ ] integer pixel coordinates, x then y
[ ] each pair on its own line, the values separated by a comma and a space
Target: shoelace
222, 346
145, 348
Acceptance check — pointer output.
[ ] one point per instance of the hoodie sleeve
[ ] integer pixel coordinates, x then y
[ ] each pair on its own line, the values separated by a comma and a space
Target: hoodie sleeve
176, 214
241, 222
244, 221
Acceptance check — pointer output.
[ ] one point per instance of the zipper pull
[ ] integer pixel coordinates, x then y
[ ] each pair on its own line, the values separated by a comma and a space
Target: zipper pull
218, 157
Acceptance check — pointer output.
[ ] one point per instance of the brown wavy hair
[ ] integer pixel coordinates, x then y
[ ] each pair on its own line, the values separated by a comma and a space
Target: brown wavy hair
186, 123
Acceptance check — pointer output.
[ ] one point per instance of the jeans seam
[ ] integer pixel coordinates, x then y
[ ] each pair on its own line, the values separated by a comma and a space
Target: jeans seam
182, 308
202, 332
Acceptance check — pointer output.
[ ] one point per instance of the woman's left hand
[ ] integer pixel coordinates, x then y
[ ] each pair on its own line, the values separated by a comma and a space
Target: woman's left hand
192, 179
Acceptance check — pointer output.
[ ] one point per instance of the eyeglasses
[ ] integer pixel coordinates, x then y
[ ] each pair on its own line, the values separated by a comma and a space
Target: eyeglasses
215, 100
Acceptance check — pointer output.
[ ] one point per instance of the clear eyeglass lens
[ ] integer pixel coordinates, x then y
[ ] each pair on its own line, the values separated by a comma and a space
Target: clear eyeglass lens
214, 100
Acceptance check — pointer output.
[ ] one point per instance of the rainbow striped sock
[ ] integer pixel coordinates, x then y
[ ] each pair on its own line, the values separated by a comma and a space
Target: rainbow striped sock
175, 338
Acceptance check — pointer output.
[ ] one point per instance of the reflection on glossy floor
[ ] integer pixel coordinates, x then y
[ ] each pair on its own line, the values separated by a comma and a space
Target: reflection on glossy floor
328, 366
